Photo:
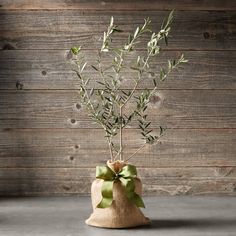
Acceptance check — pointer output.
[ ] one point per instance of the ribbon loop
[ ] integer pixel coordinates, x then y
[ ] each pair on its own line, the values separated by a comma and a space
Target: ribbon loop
128, 171
104, 172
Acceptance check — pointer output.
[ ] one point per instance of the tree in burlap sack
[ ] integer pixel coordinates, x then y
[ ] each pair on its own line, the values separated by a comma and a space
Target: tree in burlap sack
116, 192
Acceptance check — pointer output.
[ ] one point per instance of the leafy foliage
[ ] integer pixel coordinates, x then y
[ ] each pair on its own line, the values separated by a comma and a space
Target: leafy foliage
106, 105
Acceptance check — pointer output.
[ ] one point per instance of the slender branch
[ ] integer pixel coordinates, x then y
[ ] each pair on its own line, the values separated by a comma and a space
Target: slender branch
100, 69
94, 112
121, 135
110, 148
128, 98
138, 80
118, 153
140, 148
131, 94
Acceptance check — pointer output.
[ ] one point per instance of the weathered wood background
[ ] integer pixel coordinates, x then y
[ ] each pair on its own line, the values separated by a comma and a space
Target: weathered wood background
48, 145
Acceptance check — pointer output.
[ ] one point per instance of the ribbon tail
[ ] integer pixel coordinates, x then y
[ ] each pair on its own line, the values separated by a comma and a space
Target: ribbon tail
137, 200
107, 194
129, 185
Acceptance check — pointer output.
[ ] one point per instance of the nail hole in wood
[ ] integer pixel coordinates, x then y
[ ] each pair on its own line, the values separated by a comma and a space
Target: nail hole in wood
155, 99
206, 35
8, 46
72, 121
78, 106
7, 129
151, 74
76, 146
19, 85
67, 188
44, 72
71, 158
69, 55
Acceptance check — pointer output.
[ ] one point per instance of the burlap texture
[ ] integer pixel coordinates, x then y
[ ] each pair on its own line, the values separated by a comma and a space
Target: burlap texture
122, 213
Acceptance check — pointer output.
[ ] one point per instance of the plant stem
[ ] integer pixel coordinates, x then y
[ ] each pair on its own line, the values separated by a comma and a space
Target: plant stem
110, 148
131, 94
118, 153
121, 135
136, 152
128, 98
137, 81
94, 112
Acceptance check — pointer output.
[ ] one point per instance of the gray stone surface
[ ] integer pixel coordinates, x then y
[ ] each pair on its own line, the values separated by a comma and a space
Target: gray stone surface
178, 216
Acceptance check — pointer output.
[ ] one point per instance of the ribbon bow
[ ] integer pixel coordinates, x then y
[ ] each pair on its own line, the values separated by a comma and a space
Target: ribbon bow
126, 176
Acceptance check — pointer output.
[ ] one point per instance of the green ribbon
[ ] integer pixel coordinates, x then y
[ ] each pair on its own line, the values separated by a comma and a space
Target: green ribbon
126, 176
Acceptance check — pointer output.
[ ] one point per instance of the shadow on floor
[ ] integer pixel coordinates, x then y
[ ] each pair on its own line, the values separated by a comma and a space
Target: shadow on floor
190, 223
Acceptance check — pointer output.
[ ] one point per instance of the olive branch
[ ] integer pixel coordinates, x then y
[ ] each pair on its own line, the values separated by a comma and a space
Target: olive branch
106, 105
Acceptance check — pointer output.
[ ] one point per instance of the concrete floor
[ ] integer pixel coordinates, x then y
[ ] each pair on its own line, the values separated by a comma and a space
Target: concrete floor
178, 216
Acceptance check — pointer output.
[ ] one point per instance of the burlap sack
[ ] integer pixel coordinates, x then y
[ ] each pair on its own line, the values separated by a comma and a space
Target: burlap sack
122, 213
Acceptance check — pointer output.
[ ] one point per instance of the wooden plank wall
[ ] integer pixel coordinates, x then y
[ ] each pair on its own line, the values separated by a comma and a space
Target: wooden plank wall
48, 145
